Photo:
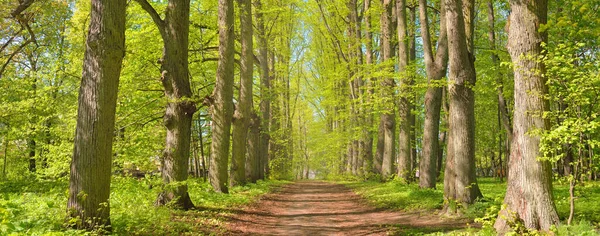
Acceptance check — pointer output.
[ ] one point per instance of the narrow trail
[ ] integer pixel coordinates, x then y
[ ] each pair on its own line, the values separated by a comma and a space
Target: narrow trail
322, 208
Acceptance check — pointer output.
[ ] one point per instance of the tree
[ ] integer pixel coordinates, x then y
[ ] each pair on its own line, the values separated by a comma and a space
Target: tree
222, 100
404, 106
174, 30
242, 114
265, 86
529, 185
367, 152
387, 118
253, 158
435, 68
460, 183
89, 184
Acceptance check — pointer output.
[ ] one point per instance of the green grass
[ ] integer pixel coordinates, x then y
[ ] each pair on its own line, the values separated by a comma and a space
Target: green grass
408, 197
397, 195
38, 207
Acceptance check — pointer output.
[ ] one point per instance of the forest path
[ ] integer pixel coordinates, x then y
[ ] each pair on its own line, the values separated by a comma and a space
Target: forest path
323, 208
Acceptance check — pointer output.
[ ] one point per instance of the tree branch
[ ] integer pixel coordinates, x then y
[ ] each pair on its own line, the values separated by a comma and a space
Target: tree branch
160, 23
10, 40
13, 55
24, 4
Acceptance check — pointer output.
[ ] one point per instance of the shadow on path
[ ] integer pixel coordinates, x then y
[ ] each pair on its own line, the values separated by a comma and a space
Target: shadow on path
322, 208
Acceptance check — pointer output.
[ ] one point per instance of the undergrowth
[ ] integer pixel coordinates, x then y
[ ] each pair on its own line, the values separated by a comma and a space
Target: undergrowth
38, 207
409, 197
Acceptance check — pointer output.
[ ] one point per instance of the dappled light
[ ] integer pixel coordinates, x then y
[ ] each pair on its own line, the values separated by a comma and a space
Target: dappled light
299, 117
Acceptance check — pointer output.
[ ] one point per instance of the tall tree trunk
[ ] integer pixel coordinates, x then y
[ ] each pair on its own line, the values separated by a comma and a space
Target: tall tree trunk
443, 144
435, 69
404, 106
174, 30
253, 158
204, 171
387, 117
89, 184
356, 84
412, 34
528, 196
368, 163
503, 108
242, 114
31, 144
5, 145
222, 104
274, 148
265, 86
460, 183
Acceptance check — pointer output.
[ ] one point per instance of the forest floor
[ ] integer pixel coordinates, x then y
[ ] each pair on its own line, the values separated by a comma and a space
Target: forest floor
324, 208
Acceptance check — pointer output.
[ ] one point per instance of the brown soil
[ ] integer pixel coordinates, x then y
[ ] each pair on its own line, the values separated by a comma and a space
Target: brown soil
322, 208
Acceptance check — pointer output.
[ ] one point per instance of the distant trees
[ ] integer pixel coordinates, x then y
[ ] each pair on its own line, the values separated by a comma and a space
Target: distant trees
89, 185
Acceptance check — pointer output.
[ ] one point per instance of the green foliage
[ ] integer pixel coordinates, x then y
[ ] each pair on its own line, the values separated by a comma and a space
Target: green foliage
38, 207
396, 195
573, 84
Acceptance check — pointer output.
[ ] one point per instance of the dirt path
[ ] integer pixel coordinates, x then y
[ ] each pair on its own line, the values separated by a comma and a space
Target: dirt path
321, 208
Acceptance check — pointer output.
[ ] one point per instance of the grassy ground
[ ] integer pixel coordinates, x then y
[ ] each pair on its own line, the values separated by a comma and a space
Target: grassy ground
397, 195
39, 207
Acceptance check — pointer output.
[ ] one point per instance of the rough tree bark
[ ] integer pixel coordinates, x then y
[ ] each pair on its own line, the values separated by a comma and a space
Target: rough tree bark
435, 69
174, 30
529, 186
412, 45
357, 86
367, 152
253, 150
244, 108
222, 100
89, 184
460, 182
387, 118
404, 106
265, 86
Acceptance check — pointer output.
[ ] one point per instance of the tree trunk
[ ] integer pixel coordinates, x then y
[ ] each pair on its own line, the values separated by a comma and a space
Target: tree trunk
204, 171
504, 115
368, 162
460, 183
435, 69
244, 108
31, 148
89, 184
253, 151
222, 104
387, 118
404, 106
265, 86
5, 145
174, 30
412, 34
528, 196
31, 144
443, 144
378, 159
